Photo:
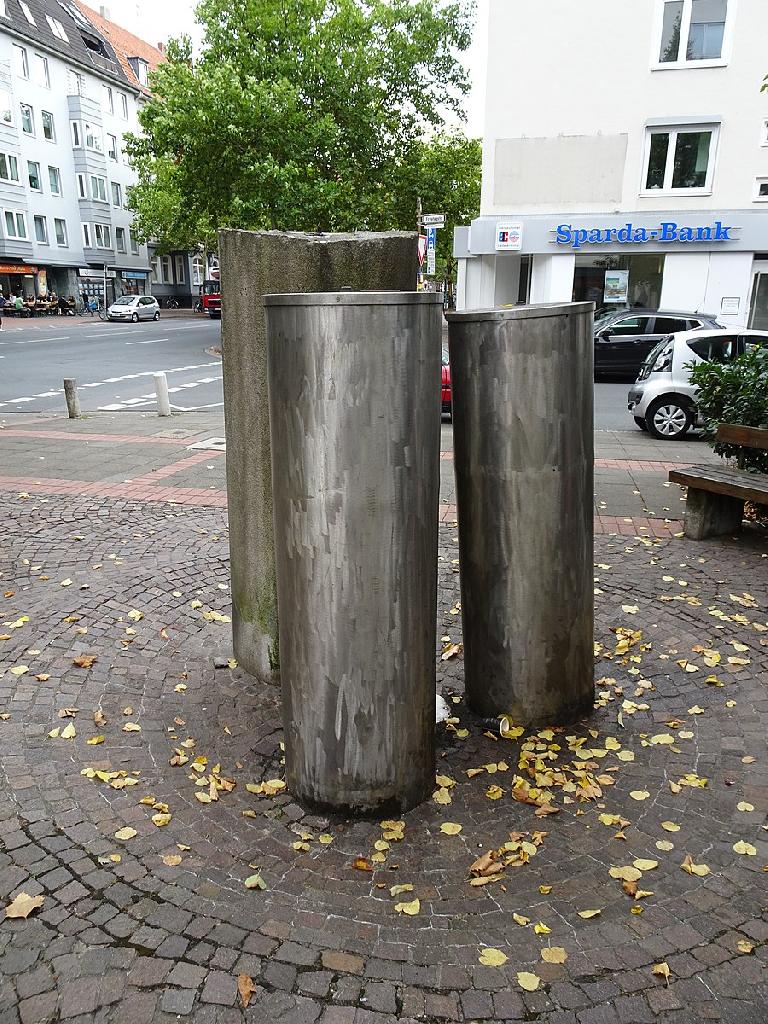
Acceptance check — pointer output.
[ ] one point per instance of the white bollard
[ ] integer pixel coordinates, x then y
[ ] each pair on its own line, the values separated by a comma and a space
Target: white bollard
73, 402
161, 390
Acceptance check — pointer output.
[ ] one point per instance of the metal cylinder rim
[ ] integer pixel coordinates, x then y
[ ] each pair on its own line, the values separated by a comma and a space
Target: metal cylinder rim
521, 312
354, 299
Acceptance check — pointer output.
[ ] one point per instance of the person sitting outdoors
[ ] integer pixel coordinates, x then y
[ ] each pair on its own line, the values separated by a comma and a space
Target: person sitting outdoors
18, 305
31, 304
64, 305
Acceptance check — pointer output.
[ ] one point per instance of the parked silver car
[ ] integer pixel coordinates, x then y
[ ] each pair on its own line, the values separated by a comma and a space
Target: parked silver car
663, 399
135, 308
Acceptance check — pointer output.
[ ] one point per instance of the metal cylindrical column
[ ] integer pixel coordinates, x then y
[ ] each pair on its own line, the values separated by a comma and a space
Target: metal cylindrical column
522, 384
355, 424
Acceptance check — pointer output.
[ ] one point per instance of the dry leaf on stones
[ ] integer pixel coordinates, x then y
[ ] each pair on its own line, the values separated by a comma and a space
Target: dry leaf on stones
490, 957
23, 905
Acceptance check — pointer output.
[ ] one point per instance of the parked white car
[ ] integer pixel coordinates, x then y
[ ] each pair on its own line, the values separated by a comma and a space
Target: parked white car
663, 399
135, 308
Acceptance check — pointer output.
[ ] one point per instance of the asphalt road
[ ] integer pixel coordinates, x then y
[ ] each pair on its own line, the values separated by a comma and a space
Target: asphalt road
113, 365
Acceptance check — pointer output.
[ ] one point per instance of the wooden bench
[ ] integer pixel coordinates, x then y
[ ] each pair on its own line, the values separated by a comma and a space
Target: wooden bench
716, 494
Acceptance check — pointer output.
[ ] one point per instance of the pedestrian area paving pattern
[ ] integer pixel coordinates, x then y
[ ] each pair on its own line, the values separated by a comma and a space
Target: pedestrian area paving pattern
143, 806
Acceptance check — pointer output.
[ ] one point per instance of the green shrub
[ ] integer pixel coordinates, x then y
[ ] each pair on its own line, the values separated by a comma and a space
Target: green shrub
735, 392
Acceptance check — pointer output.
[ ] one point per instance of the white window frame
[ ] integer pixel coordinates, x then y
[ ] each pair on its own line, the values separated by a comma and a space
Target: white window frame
53, 125
30, 164
123, 106
86, 235
6, 107
682, 63
764, 132
16, 214
56, 222
106, 236
166, 271
179, 270
57, 28
3, 12
154, 270
27, 13
110, 98
44, 220
135, 246
31, 110
41, 61
757, 198
82, 186
94, 132
120, 233
11, 159
673, 130
57, 190
112, 186
98, 194
17, 50
112, 151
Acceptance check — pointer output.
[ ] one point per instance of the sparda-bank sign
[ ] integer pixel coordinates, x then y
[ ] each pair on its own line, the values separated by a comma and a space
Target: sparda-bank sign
666, 233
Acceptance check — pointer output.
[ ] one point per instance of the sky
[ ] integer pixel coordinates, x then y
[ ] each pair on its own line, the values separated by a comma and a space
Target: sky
156, 20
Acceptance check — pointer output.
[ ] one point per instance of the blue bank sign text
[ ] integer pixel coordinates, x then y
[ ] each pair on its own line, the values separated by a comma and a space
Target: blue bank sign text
666, 233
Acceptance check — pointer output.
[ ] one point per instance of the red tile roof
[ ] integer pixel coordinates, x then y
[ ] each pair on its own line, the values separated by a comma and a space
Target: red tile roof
125, 44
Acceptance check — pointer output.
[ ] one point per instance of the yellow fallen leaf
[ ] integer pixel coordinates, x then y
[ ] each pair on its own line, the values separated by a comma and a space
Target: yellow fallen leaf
450, 828
630, 609
161, 819
527, 981
665, 845
626, 755
519, 919
94, 741
325, 839
442, 796
494, 792
245, 989
445, 780
19, 670
54, 733
491, 957
545, 890
744, 946
645, 865
695, 710
587, 914
68, 732
23, 905
411, 908
172, 860
202, 797
745, 849
662, 970
397, 890
662, 739
541, 929
135, 615
626, 874
744, 806
700, 870
131, 727
639, 794
670, 826
255, 882
126, 833
554, 955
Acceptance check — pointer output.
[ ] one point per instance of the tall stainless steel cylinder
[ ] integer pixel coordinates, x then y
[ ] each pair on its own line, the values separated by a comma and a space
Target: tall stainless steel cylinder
522, 383
355, 422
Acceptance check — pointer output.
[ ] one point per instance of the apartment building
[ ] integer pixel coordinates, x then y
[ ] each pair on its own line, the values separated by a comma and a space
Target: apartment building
625, 158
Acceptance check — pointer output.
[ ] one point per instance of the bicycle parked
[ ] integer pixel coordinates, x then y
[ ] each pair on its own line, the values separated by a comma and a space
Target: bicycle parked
171, 303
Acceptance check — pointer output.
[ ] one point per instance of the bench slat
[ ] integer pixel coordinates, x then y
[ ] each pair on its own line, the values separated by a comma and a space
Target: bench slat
747, 437
723, 480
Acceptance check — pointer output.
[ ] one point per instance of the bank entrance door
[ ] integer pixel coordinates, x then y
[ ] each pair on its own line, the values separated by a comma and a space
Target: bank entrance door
758, 312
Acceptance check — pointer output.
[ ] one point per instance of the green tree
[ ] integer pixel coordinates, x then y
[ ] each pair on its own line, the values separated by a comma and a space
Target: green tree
297, 115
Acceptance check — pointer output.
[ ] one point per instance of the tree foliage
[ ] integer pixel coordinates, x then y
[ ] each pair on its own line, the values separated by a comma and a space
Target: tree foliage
735, 392
300, 115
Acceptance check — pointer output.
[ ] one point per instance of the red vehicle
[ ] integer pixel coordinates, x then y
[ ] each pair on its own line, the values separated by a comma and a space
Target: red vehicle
211, 299
446, 385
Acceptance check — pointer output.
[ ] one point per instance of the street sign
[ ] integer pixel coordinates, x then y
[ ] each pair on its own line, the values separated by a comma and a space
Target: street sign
422, 249
431, 247
435, 220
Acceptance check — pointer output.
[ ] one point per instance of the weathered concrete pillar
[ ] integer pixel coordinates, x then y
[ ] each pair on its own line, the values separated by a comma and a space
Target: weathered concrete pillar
524, 461
254, 264
161, 390
712, 515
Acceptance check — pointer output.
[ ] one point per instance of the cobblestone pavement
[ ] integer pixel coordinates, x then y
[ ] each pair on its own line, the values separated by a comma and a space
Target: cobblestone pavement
158, 925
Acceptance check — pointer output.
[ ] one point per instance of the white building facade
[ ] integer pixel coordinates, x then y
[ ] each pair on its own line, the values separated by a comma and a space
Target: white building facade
625, 158
65, 106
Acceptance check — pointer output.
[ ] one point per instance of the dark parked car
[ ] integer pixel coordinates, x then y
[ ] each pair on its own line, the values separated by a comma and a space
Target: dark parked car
624, 338
446, 384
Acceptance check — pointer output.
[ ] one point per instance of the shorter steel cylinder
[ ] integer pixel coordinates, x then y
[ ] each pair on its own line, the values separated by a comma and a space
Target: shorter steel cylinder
522, 382
355, 426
